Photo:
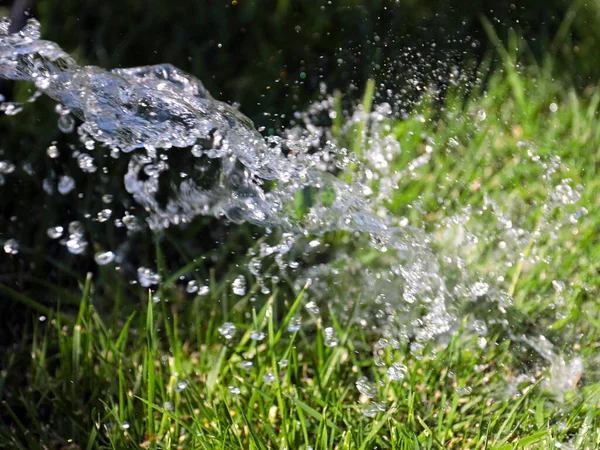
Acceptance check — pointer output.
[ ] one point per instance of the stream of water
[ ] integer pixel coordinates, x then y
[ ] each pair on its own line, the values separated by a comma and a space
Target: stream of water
191, 155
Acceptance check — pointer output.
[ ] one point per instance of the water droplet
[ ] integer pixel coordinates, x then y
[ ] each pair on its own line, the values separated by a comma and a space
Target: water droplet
125, 426
331, 339
76, 245
147, 277
283, 362
239, 286
11, 247
227, 330
180, 386
463, 391
295, 324
268, 377
66, 123
312, 307
104, 258
257, 335
103, 215
234, 390
396, 372
6, 167
245, 365
558, 286
55, 232
66, 184
131, 222
168, 406
366, 388
479, 289
86, 163
203, 290
480, 327
371, 409
481, 342
192, 287
53, 152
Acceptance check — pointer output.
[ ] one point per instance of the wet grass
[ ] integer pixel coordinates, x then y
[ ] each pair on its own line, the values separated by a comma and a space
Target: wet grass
164, 378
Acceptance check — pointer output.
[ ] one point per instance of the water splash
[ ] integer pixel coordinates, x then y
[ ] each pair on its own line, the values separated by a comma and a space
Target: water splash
189, 155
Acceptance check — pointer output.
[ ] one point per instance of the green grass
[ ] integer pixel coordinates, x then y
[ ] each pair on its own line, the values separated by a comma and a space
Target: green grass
104, 380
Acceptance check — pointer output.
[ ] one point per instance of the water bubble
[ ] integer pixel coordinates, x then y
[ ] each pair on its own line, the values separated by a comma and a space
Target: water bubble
65, 184
331, 339
11, 246
192, 287
257, 335
227, 330
268, 377
366, 388
104, 258
245, 365
107, 198
396, 372
180, 386
239, 286
234, 390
